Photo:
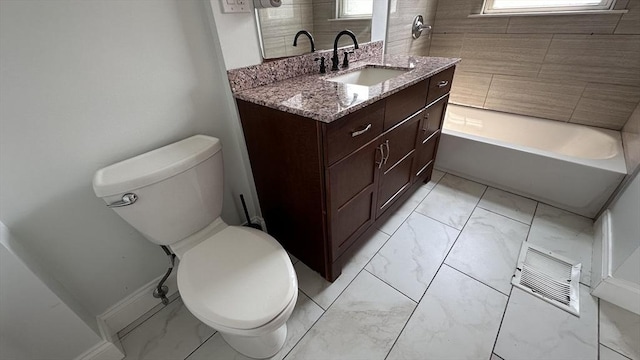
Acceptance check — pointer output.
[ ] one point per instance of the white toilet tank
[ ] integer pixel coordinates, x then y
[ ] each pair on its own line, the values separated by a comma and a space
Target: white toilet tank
178, 188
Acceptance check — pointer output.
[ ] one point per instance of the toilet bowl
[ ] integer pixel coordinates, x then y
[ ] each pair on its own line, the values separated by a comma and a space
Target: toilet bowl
237, 280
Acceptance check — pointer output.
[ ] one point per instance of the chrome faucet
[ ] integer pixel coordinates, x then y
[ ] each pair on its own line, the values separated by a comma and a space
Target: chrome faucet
305, 32
334, 59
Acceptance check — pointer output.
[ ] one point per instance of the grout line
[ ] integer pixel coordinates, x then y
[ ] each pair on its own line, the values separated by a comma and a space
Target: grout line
425, 292
391, 286
614, 350
493, 349
175, 296
305, 333
535, 211
198, 347
598, 351
480, 281
578, 102
502, 215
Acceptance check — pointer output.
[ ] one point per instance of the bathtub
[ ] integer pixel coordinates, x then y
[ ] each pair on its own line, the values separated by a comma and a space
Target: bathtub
573, 167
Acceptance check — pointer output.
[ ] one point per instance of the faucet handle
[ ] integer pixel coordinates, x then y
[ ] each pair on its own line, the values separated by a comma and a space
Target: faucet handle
323, 67
345, 61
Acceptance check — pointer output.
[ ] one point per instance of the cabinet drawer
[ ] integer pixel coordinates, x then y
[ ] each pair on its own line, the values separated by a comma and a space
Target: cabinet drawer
432, 119
354, 130
440, 84
405, 103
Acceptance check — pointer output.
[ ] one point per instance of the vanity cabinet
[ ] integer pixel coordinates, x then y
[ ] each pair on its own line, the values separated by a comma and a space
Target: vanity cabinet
323, 187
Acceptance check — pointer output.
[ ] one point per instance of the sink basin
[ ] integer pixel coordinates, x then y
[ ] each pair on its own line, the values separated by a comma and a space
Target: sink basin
367, 76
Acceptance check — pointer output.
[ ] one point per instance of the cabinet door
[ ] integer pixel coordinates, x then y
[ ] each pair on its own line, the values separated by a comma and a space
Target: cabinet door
396, 170
352, 184
428, 137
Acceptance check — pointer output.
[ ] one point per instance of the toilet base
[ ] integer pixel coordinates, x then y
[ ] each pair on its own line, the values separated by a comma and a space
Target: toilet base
258, 347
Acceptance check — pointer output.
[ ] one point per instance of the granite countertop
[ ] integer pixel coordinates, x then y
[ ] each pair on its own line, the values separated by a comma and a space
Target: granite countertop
313, 97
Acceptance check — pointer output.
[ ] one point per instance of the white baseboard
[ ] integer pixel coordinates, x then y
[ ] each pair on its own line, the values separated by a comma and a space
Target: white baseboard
603, 284
103, 350
133, 306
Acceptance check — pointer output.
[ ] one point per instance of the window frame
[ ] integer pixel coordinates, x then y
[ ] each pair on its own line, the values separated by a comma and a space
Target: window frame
340, 14
605, 5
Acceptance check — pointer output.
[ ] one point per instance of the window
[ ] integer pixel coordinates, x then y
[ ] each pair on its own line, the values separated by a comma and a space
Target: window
539, 6
354, 9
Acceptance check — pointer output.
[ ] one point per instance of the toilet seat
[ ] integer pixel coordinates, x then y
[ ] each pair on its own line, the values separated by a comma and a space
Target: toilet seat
239, 278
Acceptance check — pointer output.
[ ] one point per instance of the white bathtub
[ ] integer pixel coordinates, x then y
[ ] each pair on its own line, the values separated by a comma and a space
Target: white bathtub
570, 166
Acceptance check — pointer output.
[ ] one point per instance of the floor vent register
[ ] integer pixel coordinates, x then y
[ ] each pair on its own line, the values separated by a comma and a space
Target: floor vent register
551, 277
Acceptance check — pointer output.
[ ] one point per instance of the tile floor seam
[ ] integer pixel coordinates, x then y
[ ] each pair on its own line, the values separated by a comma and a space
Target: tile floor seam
313, 301
505, 216
425, 291
481, 282
412, 211
393, 287
305, 333
608, 347
145, 320
202, 343
495, 342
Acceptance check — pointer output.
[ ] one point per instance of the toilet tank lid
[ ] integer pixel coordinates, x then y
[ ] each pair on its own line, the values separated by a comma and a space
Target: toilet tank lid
154, 166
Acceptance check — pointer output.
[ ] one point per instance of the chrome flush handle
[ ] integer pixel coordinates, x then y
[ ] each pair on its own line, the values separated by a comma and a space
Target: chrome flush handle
127, 199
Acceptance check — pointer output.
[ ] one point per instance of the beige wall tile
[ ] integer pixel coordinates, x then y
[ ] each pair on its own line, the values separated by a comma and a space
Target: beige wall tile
576, 24
536, 97
612, 59
446, 45
631, 141
506, 54
630, 22
605, 105
452, 17
470, 88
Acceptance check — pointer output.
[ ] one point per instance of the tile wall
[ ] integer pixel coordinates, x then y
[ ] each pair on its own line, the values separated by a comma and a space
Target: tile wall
399, 24
582, 68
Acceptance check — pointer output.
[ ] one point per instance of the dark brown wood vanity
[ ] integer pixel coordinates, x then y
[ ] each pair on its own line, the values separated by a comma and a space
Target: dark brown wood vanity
323, 187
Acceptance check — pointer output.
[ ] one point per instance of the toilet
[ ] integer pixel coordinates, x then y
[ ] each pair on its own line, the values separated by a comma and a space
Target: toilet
237, 280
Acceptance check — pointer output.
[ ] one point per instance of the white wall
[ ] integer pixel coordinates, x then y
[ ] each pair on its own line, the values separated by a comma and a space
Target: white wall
238, 35
34, 322
88, 83
625, 233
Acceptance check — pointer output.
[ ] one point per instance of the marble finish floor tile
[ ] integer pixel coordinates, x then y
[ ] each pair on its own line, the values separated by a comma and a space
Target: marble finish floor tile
393, 223
488, 249
510, 205
411, 258
495, 357
323, 292
534, 329
304, 315
452, 200
620, 330
458, 318
363, 323
608, 354
172, 333
565, 234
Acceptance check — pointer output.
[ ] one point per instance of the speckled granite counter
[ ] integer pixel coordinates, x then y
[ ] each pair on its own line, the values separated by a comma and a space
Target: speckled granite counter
314, 97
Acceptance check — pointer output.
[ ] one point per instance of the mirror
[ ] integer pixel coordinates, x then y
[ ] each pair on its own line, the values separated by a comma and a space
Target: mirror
278, 27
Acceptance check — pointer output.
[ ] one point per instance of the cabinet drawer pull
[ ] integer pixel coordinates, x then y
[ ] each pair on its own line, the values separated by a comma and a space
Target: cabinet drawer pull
360, 132
443, 83
381, 162
426, 122
386, 144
